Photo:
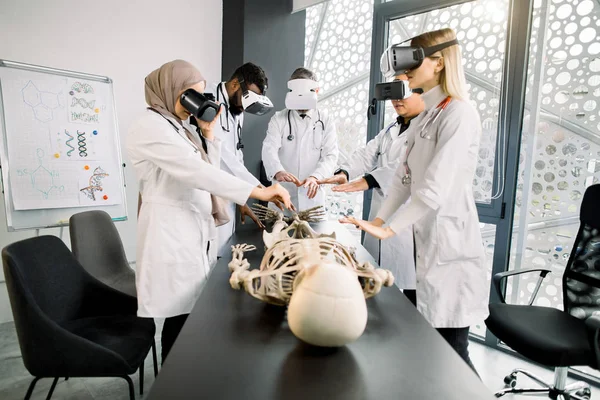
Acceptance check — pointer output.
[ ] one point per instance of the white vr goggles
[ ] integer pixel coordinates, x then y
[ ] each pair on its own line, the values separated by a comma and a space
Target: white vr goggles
254, 103
302, 94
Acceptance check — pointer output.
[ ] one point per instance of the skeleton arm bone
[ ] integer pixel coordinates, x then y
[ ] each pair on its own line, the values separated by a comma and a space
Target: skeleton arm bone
239, 265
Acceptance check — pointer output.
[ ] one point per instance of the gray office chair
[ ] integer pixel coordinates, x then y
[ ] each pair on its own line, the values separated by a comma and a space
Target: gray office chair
97, 246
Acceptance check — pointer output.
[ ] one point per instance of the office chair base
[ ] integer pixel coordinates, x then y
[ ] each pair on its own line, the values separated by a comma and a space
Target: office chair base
558, 390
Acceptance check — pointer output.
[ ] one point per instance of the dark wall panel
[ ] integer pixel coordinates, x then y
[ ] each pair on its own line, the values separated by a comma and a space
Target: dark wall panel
272, 38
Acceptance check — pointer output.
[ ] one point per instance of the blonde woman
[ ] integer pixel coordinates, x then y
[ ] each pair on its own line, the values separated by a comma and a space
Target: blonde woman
436, 173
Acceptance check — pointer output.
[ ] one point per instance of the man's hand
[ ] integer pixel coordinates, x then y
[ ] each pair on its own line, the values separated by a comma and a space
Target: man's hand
370, 228
337, 179
283, 176
246, 211
358, 185
207, 127
312, 186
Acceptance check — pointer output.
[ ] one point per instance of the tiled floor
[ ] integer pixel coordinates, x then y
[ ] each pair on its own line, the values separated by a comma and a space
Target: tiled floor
14, 378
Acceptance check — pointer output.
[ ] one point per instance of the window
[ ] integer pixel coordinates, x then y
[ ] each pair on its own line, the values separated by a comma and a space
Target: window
338, 50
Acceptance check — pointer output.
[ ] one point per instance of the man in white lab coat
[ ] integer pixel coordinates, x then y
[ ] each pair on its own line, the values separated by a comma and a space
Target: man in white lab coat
373, 167
229, 131
301, 143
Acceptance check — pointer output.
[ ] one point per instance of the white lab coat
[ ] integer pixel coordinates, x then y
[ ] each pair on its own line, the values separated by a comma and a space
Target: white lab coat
380, 158
175, 223
232, 159
452, 281
313, 151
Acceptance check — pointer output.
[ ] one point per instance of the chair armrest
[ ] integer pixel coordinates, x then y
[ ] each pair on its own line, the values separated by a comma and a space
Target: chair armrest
593, 326
102, 300
497, 279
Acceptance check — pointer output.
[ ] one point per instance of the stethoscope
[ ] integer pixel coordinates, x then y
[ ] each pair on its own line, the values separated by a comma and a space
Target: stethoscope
319, 121
387, 139
240, 144
187, 140
423, 134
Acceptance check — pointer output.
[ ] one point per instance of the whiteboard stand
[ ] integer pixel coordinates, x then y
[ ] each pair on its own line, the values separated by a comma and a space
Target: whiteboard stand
40, 109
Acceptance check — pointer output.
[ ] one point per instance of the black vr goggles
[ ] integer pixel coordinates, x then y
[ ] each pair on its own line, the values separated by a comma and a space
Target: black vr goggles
200, 105
399, 59
396, 90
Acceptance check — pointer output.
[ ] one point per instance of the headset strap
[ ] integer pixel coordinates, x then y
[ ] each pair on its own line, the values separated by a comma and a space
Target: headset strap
434, 49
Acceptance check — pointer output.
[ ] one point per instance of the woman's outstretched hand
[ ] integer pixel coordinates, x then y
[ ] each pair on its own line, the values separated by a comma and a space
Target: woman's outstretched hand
372, 228
274, 193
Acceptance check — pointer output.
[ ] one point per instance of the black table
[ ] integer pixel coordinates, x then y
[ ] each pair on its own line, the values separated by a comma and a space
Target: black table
234, 346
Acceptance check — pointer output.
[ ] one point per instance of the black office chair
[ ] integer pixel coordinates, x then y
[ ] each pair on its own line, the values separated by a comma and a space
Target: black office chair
97, 246
552, 337
68, 323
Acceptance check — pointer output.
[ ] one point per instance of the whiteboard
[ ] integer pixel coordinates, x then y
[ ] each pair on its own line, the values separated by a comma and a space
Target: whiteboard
60, 149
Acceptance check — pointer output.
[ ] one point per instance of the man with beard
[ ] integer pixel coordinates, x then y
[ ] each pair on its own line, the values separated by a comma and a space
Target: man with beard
229, 130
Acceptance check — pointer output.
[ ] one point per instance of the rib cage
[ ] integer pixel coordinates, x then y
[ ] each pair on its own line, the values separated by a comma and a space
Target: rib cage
287, 258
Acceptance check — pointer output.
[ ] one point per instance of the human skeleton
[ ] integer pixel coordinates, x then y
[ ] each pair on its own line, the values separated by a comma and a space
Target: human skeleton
292, 248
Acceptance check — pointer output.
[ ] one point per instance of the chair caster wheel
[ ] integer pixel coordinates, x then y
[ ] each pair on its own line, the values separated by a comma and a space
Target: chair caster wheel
510, 380
584, 393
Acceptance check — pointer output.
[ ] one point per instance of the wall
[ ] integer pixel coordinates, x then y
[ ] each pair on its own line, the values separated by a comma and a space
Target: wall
272, 38
304, 4
124, 40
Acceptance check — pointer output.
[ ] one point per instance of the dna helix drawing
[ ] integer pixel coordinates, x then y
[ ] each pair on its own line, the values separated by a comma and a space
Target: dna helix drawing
82, 88
68, 143
82, 144
83, 103
85, 117
95, 183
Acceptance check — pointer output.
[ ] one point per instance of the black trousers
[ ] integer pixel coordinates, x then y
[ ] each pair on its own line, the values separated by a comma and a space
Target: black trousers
412, 295
458, 338
170, 331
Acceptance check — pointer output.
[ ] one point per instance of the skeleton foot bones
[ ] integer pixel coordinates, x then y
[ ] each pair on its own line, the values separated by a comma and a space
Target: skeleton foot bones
317, 277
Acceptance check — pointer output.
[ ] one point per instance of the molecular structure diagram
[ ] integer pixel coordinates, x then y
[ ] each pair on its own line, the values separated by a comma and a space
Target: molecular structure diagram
42, 179
95, 184
42, 103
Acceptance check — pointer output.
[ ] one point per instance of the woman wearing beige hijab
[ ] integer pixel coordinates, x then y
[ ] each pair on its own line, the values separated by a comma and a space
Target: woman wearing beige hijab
180, 185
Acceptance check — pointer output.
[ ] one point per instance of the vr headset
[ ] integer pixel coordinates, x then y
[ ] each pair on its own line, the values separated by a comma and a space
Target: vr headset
200, 105
396, 90
399, 59
302, 94
254, 103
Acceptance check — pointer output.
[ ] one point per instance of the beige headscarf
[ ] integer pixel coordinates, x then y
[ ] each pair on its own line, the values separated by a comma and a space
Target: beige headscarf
162, 89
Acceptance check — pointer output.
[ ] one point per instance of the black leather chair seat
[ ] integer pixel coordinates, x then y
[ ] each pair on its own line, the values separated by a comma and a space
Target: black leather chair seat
546, 335
130, 337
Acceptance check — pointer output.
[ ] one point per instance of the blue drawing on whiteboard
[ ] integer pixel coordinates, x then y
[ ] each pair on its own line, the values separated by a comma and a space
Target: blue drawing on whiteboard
42, 179
68, 143
42, 103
